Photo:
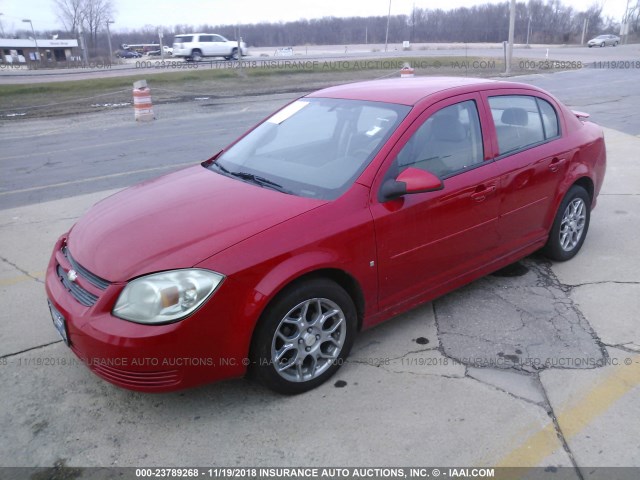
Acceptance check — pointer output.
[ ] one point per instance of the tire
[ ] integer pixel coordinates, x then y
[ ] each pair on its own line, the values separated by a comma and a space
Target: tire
602, 45
615, 44
570, 225
234, 55
297, 346
196, 55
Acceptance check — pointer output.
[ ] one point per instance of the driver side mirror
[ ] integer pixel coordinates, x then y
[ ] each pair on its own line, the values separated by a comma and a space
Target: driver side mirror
410, 180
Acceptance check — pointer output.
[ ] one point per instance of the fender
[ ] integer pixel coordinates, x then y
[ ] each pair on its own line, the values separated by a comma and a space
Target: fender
301, 264
258, 298
576, 170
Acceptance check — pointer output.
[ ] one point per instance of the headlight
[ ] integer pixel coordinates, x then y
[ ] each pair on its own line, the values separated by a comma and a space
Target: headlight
166, 297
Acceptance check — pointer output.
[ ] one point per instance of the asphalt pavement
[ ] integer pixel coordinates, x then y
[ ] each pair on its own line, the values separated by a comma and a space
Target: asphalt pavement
46, 159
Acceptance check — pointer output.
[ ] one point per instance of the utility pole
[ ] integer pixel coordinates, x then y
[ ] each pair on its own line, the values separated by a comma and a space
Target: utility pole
1, 28
109, 37
528, 30
512, 25
585, 26
413, 23
83, 47
625, 24
386, 37
239, 48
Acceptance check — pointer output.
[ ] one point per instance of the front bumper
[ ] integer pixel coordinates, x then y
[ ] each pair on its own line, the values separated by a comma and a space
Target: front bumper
150, 358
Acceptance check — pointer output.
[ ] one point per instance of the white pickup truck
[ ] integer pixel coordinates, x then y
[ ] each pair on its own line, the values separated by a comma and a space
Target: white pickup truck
196, 46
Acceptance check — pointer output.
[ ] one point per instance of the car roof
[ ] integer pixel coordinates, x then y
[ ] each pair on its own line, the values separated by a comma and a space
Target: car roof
409, 91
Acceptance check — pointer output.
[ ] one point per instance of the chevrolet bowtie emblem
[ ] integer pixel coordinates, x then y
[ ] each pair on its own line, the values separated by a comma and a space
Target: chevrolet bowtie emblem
72, 275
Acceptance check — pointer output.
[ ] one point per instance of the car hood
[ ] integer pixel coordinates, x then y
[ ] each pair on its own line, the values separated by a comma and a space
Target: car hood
176, 221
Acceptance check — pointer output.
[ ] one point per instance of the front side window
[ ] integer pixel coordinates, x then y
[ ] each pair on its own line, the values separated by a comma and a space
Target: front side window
314, 147
522, 121
448, 142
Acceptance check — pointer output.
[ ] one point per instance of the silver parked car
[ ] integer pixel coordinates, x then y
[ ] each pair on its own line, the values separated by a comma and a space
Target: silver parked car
604, 40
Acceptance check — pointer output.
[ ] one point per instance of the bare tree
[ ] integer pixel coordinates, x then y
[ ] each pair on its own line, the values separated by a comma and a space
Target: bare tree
550, 21
95, 14
88, 15
70, 13
634, 17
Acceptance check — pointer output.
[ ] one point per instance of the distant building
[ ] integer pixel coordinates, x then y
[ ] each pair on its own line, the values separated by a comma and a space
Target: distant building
24, 51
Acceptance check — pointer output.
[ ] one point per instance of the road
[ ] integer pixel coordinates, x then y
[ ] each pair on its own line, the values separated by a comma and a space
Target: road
538, 366
54, 158
260, 56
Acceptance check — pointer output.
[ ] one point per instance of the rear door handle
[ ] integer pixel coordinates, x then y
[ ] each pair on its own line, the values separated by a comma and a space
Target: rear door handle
482, 192
556, 163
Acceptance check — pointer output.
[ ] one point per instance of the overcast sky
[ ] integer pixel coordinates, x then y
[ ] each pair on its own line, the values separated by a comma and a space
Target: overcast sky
132, 14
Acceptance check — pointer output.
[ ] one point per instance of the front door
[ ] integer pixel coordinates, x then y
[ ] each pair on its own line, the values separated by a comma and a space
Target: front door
427, 239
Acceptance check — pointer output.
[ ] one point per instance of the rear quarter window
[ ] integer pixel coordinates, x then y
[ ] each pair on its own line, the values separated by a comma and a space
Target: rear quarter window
519, 122
549, 119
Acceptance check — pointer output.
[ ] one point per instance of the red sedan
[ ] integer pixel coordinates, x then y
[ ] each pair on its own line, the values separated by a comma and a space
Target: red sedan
341, 210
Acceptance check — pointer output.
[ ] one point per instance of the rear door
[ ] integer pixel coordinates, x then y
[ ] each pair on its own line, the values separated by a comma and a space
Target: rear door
207, 45
531, 159
426, 240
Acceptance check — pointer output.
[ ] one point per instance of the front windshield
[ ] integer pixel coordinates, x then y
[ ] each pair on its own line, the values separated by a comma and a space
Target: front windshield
314, 147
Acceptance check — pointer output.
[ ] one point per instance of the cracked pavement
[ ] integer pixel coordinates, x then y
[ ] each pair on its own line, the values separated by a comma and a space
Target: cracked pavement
527, 367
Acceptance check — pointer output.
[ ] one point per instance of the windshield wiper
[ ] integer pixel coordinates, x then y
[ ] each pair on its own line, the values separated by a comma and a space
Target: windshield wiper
217, 166
256, 179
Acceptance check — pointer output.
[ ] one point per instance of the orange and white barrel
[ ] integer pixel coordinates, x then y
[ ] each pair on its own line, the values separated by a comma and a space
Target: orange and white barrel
142, 105
406, 71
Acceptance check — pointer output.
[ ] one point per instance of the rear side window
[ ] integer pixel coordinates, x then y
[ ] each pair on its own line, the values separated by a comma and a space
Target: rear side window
185, 39
206, 38
518, 122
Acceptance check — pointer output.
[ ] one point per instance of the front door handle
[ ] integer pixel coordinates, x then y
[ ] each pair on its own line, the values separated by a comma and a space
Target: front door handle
482, 192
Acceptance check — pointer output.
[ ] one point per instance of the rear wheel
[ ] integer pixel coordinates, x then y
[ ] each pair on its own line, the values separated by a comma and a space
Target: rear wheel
570, 225
196, 55
602, 44
304, 336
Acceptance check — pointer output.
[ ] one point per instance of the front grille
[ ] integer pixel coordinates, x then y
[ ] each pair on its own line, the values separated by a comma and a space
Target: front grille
95, 280
131, 379
83, 296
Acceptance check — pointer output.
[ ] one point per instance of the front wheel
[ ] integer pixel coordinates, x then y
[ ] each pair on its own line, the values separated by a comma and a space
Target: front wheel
304, 336
602, 44
570, 225
234, 55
